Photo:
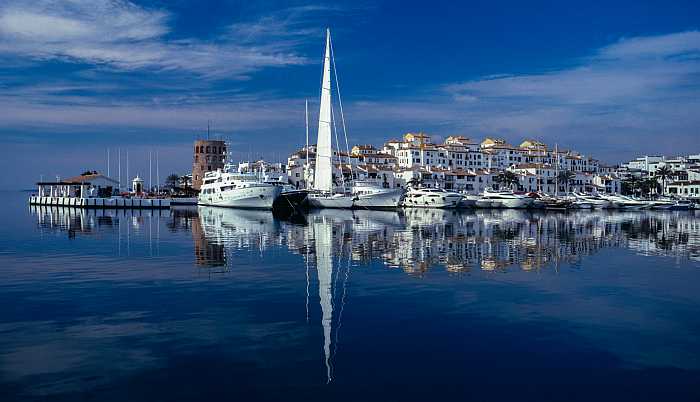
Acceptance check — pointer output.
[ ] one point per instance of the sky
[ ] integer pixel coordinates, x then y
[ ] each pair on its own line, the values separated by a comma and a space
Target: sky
78, 77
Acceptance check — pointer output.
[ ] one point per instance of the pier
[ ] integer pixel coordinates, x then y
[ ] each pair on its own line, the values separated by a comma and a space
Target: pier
102, 203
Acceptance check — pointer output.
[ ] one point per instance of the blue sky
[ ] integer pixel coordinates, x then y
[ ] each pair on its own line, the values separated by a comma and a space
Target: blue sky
80, 76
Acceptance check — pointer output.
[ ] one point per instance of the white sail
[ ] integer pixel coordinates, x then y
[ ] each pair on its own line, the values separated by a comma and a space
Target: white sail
323, 176
323, 235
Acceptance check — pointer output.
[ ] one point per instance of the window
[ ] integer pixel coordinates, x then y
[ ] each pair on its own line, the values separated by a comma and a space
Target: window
208, 148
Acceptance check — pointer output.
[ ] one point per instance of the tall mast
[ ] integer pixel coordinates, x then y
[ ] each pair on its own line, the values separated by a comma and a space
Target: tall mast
150, 171
107, 162
119, 166
157, 173
306, 165
323, 180
127, 170
342, 116
556, 170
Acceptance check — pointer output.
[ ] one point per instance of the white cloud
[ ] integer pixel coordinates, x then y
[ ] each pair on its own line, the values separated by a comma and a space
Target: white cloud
122, 35
631, 69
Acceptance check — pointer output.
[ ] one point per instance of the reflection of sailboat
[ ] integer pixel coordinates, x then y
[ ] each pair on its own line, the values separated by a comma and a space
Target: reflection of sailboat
323, 241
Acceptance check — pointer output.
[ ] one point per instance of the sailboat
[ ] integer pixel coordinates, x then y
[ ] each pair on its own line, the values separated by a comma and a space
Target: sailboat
323, 194
292, 199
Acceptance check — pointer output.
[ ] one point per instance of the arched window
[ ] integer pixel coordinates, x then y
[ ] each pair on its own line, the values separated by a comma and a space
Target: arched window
208, 149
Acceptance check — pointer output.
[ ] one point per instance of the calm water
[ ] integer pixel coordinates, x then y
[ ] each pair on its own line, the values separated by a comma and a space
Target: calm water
207, 303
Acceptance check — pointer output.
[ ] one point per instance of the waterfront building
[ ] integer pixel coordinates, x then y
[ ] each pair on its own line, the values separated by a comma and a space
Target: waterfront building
88, 184
684, 188
208, 156
459, 163
607, 183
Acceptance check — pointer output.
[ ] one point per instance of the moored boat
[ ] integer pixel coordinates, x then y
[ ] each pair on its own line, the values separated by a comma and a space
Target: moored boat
370, 196
237, 190
431, 198
502, 199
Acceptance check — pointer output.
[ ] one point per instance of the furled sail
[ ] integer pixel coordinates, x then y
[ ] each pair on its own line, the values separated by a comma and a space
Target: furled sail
323, 179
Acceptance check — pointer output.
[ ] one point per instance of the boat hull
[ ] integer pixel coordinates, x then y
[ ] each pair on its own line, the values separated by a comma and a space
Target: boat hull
447, 202
258, 197
467, 202
515, 203
322, 201
383, 200
290, 200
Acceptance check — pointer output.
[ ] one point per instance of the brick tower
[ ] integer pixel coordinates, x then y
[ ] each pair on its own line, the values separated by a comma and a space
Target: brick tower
209, 155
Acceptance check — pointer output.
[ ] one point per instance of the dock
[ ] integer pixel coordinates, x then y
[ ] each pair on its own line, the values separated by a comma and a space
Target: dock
102, 203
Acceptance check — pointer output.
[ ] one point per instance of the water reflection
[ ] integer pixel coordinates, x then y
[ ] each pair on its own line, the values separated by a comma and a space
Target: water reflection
416, 242
413, 240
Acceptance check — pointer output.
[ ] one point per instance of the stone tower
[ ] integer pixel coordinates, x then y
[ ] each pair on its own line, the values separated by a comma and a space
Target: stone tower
209, 155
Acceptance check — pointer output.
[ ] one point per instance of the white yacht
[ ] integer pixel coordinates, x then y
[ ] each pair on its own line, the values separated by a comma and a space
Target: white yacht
371, 196
431, 198
577, 203
238, 190
468, 200
503, 199
596, 201
329, 200
323, 194
624, 202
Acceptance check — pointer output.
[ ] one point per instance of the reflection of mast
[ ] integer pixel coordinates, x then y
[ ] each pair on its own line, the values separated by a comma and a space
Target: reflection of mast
307, 283
323, 235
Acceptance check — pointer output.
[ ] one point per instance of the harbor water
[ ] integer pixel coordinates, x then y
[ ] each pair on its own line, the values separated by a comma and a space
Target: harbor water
205, 303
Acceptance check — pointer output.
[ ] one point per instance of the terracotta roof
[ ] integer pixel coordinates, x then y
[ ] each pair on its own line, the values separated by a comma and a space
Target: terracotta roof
88, 178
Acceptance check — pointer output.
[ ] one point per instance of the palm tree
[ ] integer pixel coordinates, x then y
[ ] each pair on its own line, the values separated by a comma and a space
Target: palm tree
663, 172
632, 184
507, 178
565, 176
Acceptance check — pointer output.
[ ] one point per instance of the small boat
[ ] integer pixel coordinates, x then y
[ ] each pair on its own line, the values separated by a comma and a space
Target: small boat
468, 200
320, 199
431, 198
503, 199
683, 205
595, 200
628, 203
370, 196
556, 203
290, 199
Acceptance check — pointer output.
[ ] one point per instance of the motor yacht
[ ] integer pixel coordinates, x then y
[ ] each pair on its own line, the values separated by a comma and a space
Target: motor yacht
320, 199
371, 196
468, 200
431, 198
503, 199
628, 203
237, 190
595, 200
